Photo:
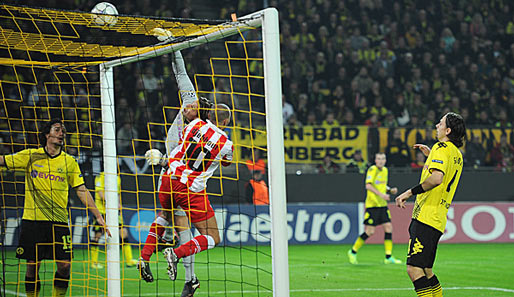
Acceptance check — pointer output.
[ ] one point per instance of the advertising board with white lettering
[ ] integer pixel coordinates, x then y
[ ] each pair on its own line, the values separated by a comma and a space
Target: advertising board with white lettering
309, 224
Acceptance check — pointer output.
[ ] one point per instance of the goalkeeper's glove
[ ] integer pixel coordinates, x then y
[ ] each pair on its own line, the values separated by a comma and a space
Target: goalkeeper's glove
155, 157
162, 34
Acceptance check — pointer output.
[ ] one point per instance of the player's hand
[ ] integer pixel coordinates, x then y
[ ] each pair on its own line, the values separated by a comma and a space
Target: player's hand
423, 148
101, 222
153, 157
394, 190
161, 34
386, 197
400, 200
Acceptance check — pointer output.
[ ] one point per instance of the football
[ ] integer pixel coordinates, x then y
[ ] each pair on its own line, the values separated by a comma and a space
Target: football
104, 13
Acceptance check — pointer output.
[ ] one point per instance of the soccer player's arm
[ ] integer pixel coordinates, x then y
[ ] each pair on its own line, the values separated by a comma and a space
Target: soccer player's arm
227, 159
187, 96
370, 180
437, 168
76, 181
86, 198
17, 160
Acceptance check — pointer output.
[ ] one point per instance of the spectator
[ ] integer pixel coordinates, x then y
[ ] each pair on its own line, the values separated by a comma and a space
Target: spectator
502, 155
256, 163
257, 190
397, 151
287, 110
327, 166
419, 162
475, 153
330, 121
357, 163
124, 139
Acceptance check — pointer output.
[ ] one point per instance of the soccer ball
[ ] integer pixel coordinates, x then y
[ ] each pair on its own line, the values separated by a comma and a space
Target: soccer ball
104, 13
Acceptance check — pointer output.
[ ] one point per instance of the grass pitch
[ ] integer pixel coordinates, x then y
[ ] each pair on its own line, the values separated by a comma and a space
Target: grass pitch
315, 270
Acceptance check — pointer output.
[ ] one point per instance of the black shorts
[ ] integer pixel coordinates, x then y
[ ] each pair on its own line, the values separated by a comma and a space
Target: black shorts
422, 244
375, 216
41, 240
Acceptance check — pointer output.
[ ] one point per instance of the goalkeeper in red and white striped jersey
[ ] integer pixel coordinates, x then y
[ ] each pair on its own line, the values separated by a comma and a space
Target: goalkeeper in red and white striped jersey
203, 147
190, 109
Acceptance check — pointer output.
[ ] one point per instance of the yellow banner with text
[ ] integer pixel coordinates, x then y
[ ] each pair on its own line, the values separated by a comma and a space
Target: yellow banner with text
308, 144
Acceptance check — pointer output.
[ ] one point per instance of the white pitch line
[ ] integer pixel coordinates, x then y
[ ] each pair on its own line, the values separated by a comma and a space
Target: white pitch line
9, 292
304, 290
332, 290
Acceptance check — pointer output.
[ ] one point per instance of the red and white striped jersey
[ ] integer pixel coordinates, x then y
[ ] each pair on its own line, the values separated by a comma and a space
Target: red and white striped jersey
202, 147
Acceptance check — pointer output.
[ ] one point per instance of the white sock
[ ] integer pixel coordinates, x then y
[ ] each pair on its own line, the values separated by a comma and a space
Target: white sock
189, 261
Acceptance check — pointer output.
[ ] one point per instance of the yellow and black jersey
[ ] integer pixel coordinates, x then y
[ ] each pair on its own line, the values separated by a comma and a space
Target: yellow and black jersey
100, 187
432, 206
47, 181
377, 178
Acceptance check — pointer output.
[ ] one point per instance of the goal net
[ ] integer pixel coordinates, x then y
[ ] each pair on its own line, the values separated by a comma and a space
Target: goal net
112, 83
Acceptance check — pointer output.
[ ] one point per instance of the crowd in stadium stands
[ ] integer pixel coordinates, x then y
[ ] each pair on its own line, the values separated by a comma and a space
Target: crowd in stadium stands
380, 63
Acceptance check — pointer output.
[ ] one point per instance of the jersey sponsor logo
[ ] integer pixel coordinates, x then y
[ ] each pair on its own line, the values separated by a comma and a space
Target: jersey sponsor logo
35, 173
437, 161
378, 182
37, 165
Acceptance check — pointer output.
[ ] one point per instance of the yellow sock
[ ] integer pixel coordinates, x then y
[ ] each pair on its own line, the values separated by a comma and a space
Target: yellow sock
437, 291
388, 246
94, 253
127, 252
435, 286
358, 244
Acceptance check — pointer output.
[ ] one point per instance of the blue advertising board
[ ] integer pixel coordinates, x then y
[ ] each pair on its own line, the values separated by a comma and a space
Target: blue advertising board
238, 224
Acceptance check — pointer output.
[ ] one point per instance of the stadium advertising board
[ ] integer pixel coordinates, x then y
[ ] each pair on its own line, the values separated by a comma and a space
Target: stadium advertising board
312, 224
467, 222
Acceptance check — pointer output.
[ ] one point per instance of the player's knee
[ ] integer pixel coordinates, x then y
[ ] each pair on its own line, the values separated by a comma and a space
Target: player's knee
370, 232
63, 268
414, 272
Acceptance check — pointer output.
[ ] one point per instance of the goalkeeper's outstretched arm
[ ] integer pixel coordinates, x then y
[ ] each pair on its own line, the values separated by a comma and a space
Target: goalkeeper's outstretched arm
187, 96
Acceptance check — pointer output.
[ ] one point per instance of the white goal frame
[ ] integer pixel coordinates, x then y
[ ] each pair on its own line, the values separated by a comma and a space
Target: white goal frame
267, 19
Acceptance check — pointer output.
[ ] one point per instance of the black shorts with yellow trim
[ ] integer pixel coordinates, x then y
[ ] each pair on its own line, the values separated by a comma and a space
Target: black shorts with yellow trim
423, 240
98, 228
40, 240
375, 216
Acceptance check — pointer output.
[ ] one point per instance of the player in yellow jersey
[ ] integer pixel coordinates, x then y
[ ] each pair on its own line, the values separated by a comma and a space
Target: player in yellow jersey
45, 232
98, 230
439, 180
377, 212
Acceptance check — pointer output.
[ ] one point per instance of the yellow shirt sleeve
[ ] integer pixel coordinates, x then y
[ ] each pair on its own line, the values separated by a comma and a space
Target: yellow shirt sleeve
440, 158
18, 160
75, 177
371, 175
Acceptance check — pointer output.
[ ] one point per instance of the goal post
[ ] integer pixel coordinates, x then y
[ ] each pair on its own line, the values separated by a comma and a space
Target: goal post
111, 184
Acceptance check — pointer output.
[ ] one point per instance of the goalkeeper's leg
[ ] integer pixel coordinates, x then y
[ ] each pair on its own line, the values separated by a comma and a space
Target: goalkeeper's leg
185, 235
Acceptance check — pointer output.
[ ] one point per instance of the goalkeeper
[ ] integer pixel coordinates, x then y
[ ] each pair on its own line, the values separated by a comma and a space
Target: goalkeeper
191, 108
